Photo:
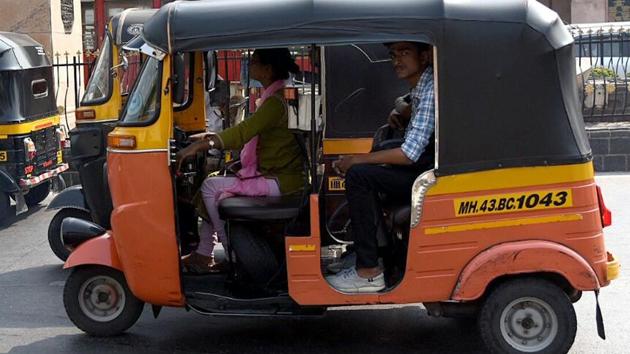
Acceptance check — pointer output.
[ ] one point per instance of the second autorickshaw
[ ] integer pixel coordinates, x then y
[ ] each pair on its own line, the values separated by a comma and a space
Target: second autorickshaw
507, 226
107, 89
30, 131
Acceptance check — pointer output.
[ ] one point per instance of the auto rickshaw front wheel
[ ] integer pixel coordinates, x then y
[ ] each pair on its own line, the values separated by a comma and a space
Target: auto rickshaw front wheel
527, 315
99, 302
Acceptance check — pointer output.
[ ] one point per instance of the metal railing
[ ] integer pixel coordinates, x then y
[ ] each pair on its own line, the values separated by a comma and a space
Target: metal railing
71, 76
602, 56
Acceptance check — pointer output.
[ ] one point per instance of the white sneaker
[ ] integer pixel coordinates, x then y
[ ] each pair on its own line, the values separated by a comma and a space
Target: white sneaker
347, 261
348, 281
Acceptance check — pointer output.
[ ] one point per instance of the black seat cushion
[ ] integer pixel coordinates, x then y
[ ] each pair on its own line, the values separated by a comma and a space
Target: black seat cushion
260, 208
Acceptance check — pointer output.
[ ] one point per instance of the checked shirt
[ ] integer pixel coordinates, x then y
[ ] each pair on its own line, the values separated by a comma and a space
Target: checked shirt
422, 123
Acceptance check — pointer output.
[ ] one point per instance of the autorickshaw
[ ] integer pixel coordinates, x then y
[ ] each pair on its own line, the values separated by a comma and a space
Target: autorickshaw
507, 226
30, 131
109, 85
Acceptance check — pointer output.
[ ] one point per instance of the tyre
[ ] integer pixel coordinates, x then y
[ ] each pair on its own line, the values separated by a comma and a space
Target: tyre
528, 316
37, 194
54, 230
254, 254
5, 207
99, 302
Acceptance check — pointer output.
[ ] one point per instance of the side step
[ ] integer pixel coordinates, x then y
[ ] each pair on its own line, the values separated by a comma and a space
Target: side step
214, 304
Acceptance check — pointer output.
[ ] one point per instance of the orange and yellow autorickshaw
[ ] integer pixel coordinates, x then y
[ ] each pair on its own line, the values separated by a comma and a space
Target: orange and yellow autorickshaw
507, 226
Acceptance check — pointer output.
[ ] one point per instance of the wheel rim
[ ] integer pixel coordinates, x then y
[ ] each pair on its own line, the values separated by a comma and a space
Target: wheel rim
102, 298
529, 324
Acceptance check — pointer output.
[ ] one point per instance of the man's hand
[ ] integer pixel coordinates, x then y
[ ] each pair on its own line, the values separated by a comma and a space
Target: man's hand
400, 116
344, 163
396, 121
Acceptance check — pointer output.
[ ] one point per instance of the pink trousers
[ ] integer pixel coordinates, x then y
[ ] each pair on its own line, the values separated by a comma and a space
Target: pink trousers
211, 189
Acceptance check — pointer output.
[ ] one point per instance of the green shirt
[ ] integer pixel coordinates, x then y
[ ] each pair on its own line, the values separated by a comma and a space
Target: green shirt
278, 152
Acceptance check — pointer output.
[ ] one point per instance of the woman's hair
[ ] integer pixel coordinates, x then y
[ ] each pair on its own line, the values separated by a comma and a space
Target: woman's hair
280, 60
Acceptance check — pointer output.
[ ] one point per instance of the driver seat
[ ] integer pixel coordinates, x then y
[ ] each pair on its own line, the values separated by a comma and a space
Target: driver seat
283, 208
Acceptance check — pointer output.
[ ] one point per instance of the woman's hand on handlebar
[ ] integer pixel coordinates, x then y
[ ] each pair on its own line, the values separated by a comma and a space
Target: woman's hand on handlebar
203, 145
200, 136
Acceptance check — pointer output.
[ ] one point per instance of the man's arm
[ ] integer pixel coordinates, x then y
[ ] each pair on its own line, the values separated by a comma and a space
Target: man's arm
390, 157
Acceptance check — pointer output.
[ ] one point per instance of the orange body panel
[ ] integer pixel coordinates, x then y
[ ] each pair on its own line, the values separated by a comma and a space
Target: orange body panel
143, 225
436, 261
524, 257
97, 251
347, 146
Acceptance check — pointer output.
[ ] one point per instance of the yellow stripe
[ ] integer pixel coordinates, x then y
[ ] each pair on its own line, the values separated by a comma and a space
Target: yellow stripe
512, 178
502, 223
302, 248
27, 127
347, 146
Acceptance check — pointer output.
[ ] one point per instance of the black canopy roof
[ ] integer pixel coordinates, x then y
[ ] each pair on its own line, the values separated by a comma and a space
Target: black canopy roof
21, 52
507, 86
194, 25
128, 24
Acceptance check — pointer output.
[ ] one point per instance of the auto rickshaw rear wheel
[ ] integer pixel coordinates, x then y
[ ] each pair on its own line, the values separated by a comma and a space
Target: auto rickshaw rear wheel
37, 194
527, 315
55, 238
99, 302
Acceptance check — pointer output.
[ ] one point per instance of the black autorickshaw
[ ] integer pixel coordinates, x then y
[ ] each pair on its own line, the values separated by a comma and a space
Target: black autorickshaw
30, 131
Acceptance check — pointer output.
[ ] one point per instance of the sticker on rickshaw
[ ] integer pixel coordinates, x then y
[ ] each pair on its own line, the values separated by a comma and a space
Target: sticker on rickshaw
3, 155
336, 184
59, 157
512, 202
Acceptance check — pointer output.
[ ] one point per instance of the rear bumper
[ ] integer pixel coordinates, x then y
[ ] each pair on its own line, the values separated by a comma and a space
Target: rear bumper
33, 181
612, 267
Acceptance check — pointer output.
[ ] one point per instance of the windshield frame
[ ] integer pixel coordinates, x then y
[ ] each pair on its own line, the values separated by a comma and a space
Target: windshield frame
158, 78
94, 102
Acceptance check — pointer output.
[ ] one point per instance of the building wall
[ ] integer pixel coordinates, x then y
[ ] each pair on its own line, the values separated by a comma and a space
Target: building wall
589, 11
562, 7
30, 17
71, 44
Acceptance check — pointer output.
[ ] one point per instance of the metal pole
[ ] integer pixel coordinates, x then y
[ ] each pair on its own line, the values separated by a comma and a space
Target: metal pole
226, 120
76, 82
313, 125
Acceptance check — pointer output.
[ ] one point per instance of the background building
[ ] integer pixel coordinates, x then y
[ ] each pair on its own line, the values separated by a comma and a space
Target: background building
96, 12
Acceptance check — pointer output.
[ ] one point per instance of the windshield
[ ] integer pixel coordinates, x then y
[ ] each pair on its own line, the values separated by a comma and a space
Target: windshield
99, 86
144, 102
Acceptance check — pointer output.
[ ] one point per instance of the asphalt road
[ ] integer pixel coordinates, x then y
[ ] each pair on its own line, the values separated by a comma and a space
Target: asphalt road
33, 320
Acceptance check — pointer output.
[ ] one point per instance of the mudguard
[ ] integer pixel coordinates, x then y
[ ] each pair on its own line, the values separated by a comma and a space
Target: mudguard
71, 197
97, 251
521, 258
7, 183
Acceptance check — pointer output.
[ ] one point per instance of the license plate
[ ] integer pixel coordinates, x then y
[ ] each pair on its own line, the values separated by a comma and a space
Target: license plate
3, 155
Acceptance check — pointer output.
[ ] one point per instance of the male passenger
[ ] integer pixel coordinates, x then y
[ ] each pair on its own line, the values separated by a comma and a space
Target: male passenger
366, 175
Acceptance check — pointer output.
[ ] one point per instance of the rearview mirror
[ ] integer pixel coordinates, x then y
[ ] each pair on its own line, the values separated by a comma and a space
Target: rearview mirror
179, 82
124, 64
211, 70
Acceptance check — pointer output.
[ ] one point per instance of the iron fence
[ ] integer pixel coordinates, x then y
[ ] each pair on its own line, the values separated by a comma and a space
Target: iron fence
71, 76
602, 56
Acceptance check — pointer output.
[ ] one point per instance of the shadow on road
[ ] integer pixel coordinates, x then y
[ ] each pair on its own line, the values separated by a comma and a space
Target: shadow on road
12, 218
401, 330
